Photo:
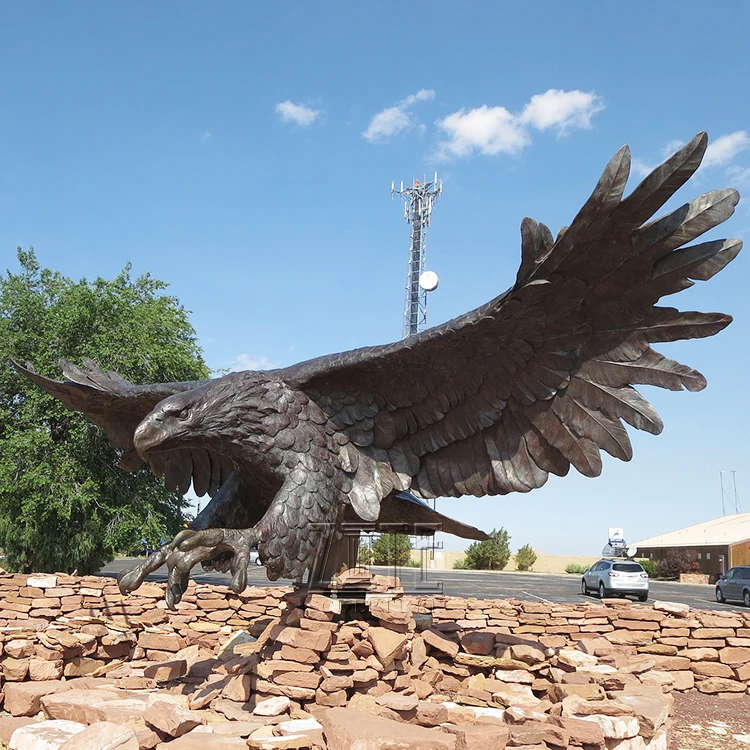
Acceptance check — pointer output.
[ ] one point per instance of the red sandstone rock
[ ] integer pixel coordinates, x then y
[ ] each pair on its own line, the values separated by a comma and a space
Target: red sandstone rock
41, 669
388, 644
44, 734
478, 642
431, 714
323, 604
9, 724
576, 706
161, 641
734, 656
301, 655
172, 719
711, 669
586, 691
651, 711
721, 685
166, 671
204, 741
22, 698
520, 715
580, 732
298, 679
440, 643
19, 648
478, 737
314, 640
331, 698
237, 688
343, 727
538, 733
15, 670
103, 735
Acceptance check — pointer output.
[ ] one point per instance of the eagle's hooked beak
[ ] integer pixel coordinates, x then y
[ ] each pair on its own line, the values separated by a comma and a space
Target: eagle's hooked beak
151, 434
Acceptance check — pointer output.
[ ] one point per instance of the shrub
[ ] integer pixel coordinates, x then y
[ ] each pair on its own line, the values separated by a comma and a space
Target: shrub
649, 566
491, 554
576, 568
460, 564
525, 558
391, 549
414, 563
676, 562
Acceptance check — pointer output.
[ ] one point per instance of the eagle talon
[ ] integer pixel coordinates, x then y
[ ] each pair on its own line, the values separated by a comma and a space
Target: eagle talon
217, 549
130, 580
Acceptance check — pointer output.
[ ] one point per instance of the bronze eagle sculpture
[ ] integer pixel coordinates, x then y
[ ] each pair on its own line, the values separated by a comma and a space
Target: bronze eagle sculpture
492, 402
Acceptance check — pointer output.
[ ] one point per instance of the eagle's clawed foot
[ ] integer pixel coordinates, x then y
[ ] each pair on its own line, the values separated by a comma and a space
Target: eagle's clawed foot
223, 549
220, 549
130, 580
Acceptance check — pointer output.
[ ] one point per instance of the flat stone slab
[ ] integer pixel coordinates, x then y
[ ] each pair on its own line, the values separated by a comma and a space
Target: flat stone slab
45, 735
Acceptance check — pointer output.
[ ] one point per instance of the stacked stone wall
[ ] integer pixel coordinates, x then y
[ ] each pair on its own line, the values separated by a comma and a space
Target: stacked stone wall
272, 669
59, 625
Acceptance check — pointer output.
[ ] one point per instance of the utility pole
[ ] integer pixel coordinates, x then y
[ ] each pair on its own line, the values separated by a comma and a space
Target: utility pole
418, 202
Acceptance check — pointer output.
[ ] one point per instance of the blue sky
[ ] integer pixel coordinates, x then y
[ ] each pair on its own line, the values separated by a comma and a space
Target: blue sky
244, 153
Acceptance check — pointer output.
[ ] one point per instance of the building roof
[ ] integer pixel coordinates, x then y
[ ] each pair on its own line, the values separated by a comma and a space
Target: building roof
725, 530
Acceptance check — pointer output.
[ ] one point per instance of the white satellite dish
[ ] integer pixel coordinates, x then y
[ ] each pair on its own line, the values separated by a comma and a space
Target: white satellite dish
632, 550
429, 281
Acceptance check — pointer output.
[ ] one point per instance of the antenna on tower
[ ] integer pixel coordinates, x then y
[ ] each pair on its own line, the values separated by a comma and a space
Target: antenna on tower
418, 201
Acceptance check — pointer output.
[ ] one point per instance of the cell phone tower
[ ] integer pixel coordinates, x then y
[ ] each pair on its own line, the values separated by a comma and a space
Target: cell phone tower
418, 201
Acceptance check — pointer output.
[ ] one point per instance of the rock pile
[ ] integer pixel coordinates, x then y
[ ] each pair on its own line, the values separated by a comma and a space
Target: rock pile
267, 669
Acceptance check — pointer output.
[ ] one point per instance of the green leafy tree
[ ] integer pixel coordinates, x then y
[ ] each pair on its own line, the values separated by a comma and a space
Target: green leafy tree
64, 502
490, 554
525, 557
391, 549
364, 554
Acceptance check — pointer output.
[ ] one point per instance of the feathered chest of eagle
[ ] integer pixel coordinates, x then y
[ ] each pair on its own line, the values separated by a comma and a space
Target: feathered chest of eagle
536, 381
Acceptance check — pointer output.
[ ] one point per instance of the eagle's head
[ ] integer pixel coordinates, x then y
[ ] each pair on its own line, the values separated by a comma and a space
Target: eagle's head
223, 412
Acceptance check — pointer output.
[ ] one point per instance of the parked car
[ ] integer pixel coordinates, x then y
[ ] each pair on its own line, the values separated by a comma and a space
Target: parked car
608, 577
254, 557
734, 585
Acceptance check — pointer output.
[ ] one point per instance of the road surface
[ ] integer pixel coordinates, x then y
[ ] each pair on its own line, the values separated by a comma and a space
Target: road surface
481, 584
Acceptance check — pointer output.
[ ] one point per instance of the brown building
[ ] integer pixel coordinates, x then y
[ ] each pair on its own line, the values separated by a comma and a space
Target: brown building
716, 545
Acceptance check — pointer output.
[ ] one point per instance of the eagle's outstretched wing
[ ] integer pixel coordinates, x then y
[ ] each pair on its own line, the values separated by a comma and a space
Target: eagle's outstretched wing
541, 377
118, 406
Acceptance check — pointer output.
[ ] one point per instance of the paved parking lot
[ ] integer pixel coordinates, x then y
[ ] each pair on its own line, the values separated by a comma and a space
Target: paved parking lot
482, 584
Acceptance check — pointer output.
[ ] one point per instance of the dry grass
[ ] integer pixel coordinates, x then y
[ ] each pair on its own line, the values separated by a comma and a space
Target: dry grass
555, 563
544, 563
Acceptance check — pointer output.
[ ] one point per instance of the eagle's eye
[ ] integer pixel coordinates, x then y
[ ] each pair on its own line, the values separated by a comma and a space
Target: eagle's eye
180, 414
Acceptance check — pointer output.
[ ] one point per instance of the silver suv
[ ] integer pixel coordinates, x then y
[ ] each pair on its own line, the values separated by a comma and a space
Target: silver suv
609, 577
735, 585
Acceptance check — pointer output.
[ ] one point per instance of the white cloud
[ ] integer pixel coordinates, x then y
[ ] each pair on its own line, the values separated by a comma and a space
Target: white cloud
490, 130
724, 148
393, 120
740, 176
206, 136
246, 362
642, 168
494, 130
299, 114
423, 95
671, 147
720, 152
563, 110
387, 123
